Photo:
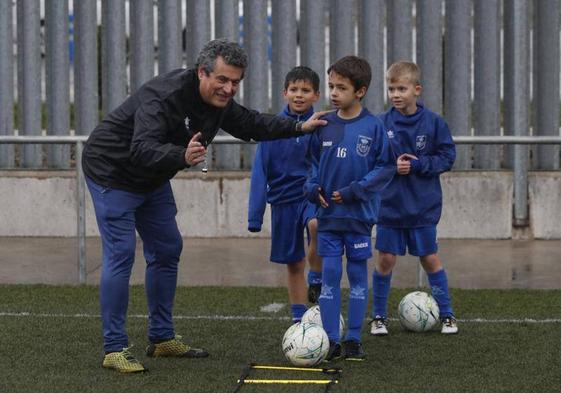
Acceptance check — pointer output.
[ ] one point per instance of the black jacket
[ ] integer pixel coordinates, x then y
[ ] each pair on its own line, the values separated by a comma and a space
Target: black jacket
142, 143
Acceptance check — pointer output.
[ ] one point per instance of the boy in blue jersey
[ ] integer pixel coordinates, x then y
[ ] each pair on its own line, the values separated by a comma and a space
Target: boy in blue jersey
350, 166
412, 202
279, 172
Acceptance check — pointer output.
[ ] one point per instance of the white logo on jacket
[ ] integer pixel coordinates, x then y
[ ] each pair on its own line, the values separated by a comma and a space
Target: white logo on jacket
363, 145
187, 122
327, 143
421, 142
390, 134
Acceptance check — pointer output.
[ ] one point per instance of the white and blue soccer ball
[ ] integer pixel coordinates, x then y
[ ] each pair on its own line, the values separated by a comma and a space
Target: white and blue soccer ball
418, 312
305, 344
313, 315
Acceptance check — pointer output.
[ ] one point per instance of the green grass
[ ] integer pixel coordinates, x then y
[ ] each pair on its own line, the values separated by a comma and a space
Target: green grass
63, 353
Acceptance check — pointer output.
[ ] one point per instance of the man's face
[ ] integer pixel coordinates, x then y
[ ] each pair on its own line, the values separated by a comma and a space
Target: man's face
218, 87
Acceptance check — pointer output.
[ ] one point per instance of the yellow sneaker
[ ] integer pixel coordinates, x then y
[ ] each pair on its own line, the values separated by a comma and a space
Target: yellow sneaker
174, 348
123, 361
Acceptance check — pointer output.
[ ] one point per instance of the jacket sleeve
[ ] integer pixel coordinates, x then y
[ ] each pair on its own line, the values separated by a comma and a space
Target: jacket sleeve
149, 146
375, 180
258, 191
443, 158
311, 187
248, 124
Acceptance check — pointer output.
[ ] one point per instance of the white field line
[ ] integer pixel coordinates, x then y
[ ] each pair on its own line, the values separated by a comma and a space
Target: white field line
259, 318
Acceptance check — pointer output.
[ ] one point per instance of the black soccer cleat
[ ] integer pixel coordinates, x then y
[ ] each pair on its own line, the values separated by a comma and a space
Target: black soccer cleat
354, 351
334, 352
314, 290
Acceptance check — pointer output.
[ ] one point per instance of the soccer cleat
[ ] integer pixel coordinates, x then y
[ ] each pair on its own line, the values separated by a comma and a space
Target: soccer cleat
449, 325
314, 290
174, 348
354, 351
334, 352
123, 362
378, 326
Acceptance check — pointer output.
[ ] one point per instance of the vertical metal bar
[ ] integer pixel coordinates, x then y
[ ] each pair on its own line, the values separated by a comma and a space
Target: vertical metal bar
142, 42
227, 25
29, 79
58, 84
487, 76
429, 52
81, 212
197, 30
6, 82
312, 41
457, 78
169, 35
371, 47
257, 75
546, 88
86, 92
341, 34
517, 20
400, 24
283, 48
113, 54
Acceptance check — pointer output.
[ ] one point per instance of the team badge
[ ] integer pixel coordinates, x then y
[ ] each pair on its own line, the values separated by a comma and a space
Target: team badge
187, 122
390, 134
421, 142
363, 145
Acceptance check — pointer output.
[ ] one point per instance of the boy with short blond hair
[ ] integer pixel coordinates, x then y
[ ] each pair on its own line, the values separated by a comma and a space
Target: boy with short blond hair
412, 203
350, 158
279, 172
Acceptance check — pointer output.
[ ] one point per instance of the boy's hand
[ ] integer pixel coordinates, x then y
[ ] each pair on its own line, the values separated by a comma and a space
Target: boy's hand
314, 121
321, 198
404, 163
337, 197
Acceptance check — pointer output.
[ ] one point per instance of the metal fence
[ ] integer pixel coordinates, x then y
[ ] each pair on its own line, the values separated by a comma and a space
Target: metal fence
520, 177
491, 67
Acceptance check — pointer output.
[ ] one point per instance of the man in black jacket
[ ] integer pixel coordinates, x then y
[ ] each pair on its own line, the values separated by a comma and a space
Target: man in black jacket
128, 161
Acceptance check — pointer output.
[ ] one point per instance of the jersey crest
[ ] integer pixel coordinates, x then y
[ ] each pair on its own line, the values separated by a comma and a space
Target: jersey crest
421, 142
363, 145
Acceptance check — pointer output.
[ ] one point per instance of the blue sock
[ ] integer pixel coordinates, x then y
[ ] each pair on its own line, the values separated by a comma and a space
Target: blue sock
330, 298
297, 311
439, 287
380, 292
314, 277
357, 272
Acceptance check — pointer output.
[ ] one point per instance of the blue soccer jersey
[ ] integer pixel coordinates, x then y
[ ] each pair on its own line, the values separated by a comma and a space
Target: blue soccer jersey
353, 157
415, 200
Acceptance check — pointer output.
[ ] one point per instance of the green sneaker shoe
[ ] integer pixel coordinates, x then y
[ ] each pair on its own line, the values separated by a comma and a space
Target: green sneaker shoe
174, 348
123, 362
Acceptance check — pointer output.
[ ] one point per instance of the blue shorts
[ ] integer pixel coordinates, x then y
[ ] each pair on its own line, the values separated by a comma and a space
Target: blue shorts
419, 241
355, 245
288, 222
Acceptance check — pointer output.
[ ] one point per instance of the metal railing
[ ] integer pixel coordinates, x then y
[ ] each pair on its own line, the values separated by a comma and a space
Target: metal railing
520, 174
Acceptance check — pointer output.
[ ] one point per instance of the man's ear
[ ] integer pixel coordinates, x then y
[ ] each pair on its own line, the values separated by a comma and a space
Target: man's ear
201, 72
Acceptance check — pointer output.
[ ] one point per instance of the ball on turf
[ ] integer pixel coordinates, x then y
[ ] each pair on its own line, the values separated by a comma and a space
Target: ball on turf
313, 315
305, 344
418, 312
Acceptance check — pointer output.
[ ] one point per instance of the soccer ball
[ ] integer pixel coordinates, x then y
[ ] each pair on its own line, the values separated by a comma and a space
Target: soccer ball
313, 315
305, 344
418, 312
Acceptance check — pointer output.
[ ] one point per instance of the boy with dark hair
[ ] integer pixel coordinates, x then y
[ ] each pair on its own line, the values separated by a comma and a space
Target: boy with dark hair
412, 202
279, 172
350, 158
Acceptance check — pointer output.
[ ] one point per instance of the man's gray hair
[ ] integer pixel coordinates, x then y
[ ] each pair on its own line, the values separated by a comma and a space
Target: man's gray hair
232, 53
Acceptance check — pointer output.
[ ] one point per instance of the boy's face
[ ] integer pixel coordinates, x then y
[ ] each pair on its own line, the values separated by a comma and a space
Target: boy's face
403, 94
342, 92
300, 96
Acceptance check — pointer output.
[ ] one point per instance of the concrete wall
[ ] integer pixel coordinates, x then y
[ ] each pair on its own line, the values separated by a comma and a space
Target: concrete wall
477, 205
